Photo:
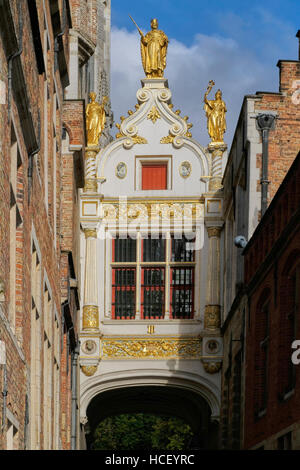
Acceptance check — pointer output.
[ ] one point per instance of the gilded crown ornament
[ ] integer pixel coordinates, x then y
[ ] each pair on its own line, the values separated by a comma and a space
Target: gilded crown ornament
154, 46
95, 119
215, 113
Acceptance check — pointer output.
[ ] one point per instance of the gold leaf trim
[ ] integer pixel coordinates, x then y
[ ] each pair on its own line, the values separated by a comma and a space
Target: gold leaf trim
90, 318
153, 114
139, 140
167, 140
212, 319
90, 185
151, 348
90, 232
88, 370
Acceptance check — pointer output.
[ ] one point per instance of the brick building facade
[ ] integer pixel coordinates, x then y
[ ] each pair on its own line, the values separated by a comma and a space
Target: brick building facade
272, 279
42, 138
265, 144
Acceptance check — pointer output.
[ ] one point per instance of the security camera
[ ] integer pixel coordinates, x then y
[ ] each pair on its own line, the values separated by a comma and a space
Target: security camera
240, 241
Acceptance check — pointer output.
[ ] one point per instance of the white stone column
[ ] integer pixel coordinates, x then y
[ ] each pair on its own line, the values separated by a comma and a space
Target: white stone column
138, 277
90, 316
167, 276
216, 150
90, 170
212, 318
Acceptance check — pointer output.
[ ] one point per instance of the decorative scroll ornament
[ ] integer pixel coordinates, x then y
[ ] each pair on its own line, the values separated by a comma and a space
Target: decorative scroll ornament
89, 370
153, 50
215, 113
150, 348
212, 319
167, 140
139, 140
131, 139
212, 367
95, 119
90, 318
153, 114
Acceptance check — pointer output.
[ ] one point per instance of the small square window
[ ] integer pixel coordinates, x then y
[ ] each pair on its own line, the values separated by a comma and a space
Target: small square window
154, 176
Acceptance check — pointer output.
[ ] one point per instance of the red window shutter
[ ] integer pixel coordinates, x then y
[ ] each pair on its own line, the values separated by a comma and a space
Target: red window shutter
154, 176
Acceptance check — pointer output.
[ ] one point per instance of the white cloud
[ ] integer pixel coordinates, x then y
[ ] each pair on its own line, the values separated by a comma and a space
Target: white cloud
235, 70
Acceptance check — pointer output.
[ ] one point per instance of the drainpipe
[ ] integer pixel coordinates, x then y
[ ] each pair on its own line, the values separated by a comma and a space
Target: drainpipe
75, 354
30, 158
4, 390
56, 45
265, 123
30, 169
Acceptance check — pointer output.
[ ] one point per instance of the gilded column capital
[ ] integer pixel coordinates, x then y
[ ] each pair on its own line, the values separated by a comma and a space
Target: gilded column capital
212, 317
91, 151
214, 231
90, 317
217, 148
90, 232
90, 186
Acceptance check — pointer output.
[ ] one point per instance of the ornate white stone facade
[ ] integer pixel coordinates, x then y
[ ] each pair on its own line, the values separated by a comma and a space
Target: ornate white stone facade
178, 352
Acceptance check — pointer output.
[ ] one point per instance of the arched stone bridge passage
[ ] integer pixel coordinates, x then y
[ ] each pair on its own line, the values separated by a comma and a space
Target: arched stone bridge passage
160, 400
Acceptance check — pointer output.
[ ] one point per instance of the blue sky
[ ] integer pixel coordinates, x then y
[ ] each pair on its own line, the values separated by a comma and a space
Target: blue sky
236, 43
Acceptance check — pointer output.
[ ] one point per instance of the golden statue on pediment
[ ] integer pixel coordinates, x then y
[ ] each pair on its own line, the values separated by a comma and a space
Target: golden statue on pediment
215, 113
154, 46
95, 119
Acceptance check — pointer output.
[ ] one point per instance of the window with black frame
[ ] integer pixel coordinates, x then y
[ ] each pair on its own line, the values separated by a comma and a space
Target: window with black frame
289, 327
164, 271
262, 335
124, 279
182, 278
153, 278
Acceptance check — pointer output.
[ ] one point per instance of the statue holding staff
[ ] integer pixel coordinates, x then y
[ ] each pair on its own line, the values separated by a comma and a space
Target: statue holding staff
95, 119
153, 50
215, 113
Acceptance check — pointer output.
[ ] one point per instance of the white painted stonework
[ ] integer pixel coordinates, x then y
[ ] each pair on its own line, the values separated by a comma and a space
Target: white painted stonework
200, 208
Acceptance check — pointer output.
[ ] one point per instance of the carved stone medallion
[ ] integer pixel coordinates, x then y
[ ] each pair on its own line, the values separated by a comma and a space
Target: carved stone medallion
121, 170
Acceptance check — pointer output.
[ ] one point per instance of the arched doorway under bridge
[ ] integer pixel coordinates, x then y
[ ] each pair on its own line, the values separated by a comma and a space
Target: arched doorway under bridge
156, 399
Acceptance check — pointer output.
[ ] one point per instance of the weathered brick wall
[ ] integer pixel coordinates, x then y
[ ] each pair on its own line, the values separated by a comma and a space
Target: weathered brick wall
284, 140
15, 358
265, 271
74, 121
34, 214
84, 18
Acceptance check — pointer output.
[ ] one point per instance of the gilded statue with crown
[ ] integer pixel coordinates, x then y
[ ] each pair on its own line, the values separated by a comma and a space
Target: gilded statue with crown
215, 113
154, 46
